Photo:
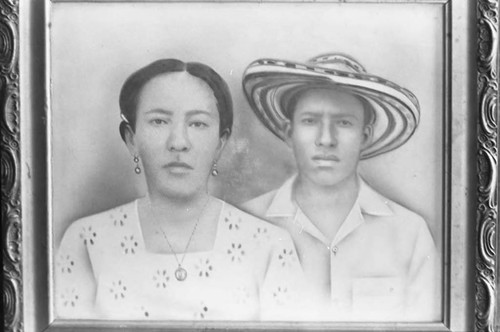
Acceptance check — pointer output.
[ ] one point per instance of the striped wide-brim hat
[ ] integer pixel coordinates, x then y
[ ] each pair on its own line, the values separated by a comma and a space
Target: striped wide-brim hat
269, 84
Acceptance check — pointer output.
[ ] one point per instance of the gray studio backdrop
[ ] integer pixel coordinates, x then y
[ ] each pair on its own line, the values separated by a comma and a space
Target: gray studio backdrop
94, 47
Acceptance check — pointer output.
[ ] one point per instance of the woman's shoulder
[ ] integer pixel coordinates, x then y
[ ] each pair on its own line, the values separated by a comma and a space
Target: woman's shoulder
116, 216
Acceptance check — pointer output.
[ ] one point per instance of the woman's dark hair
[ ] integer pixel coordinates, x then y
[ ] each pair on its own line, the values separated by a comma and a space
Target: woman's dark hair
131, 90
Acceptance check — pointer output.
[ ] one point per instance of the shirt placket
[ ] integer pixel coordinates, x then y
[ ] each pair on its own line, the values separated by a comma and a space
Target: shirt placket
339, 283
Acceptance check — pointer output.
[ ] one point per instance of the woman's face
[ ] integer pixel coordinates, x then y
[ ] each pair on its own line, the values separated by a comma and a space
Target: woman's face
176, 134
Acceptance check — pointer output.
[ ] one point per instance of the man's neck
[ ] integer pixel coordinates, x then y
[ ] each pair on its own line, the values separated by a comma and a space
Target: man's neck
326, 206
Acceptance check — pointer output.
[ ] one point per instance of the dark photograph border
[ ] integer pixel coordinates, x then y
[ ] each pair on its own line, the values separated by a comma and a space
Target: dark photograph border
24, 187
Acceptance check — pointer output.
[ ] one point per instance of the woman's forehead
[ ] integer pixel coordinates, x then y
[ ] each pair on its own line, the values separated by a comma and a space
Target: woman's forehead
176, 92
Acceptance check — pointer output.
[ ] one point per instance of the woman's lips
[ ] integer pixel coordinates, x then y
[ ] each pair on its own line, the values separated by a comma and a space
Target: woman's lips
178, 167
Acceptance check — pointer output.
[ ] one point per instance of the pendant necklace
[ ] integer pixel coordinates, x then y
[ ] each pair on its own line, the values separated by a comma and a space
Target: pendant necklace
180, 272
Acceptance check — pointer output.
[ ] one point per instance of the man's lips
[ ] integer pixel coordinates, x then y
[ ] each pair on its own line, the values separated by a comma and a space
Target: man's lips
325, 157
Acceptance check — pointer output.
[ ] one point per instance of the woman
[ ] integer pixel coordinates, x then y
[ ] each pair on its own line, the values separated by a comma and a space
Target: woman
177, 253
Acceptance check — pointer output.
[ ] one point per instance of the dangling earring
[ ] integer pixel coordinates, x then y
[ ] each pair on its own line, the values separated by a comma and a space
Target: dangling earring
137, 168
215, 172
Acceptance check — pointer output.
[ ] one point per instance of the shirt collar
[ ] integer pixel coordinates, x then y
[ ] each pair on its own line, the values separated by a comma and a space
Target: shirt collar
368, 202
371, 202
282, 204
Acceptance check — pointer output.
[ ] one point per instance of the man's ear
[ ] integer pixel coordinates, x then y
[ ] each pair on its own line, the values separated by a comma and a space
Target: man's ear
222, 142
288, 132
128, 136
367, 134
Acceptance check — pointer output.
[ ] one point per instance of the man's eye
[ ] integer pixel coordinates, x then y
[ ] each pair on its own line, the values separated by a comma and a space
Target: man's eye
308, 121
198, 124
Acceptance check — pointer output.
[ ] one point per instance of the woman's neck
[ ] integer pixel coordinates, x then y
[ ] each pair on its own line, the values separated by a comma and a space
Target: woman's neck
176, 211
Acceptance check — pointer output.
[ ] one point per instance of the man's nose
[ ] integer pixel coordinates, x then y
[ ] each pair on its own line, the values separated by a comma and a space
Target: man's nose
327, 135
178, 139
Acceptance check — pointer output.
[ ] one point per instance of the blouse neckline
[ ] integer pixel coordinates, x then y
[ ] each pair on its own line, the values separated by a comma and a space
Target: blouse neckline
217, 238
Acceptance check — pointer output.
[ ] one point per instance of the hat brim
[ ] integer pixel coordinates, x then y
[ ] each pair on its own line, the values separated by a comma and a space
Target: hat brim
396, 111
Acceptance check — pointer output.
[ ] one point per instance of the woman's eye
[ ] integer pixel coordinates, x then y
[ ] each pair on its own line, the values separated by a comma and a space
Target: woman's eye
345, 123
198, 124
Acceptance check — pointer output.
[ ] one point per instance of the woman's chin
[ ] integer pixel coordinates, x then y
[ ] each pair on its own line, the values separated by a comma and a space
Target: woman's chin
181, 192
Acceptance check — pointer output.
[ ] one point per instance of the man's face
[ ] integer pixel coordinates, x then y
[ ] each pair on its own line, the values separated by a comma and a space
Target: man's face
327, 132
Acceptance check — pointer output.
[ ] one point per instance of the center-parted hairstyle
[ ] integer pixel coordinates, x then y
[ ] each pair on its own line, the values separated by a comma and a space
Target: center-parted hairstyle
132, 88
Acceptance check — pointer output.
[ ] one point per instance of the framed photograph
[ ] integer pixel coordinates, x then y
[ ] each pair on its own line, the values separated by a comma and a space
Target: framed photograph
335, 162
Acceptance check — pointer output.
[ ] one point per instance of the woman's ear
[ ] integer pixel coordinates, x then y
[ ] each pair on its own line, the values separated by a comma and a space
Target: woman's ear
222, 142
128, 136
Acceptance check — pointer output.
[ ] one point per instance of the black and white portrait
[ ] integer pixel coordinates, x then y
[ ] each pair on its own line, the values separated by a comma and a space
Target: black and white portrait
248, 162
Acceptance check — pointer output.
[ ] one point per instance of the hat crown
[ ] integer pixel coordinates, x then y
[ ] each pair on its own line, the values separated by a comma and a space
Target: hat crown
338, 62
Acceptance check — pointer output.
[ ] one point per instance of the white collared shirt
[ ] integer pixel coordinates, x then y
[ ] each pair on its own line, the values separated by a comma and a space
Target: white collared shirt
382, 261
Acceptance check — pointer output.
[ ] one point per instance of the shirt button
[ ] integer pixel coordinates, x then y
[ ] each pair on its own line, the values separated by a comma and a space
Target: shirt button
335, 249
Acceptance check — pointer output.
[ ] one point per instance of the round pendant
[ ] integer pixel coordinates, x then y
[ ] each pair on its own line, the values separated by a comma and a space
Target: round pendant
180, 274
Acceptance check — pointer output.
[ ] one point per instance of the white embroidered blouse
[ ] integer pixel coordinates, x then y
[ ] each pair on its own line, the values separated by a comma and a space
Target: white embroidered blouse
103, 271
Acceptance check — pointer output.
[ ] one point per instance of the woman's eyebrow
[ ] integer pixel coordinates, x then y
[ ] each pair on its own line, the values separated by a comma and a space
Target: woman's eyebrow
199, 112
159, 111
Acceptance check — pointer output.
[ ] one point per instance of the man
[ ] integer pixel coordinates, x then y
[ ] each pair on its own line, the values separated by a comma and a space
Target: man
366, 257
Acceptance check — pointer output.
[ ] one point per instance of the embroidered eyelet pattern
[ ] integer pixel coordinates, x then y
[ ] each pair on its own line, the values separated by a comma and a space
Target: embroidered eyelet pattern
120, 219
70, 297
202, 312
204, 268
145, 312
88, 235
286, 257
118, 290
236, 252
66, 263
129, 244
280, 295
161, 278
241, 295
261, 234
232, 223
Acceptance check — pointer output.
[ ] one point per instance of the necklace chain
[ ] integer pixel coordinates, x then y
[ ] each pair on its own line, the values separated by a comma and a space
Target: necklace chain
180, 268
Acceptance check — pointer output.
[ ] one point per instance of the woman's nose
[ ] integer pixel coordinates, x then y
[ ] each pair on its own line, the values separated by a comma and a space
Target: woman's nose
178, 139
327, 135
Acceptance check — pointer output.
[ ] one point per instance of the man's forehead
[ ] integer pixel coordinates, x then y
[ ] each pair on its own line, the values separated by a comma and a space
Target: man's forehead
327, 94
329, 100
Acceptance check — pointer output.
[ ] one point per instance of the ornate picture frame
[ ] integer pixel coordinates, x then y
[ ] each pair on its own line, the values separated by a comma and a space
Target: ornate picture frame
471, 280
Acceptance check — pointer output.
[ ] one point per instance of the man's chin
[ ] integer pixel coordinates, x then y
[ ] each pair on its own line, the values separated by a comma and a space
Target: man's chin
327, 178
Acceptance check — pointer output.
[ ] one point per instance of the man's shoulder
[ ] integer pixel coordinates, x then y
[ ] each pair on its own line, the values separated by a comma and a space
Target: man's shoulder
401, 213
405, 214
258, 206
